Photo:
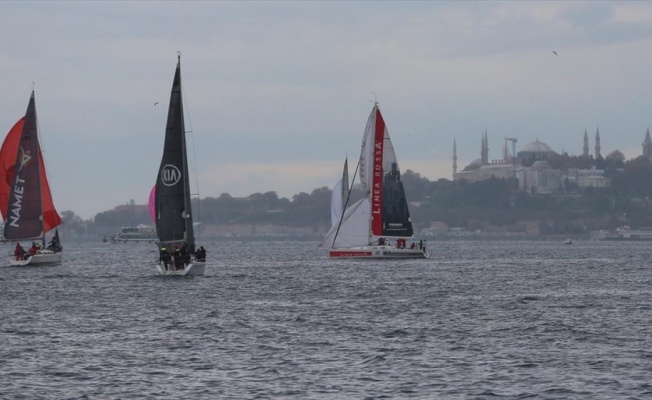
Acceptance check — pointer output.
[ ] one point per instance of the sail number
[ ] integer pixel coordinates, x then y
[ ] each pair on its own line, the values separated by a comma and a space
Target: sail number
170, 175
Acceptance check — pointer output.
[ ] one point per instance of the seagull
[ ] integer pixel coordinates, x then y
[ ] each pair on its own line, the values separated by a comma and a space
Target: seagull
156, 103
554, 52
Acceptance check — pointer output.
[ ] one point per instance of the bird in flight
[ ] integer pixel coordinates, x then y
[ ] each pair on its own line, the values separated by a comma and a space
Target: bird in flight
554, 52
156, 103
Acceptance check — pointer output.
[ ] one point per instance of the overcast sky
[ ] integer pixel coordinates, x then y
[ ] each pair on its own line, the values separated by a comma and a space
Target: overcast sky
278, 93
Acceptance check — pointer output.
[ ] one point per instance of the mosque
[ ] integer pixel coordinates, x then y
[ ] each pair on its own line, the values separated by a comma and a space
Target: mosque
531, 167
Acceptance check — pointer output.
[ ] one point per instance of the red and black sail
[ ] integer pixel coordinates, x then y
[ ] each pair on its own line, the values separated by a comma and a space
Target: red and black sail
25, 199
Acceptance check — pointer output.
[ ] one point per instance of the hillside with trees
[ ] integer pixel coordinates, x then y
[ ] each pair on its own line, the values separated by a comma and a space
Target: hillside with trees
489, 203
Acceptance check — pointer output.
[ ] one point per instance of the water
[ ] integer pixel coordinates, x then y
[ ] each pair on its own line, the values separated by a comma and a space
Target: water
278, 319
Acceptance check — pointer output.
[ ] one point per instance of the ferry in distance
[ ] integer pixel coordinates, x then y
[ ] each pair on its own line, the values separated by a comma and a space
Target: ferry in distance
624, 233
140, 233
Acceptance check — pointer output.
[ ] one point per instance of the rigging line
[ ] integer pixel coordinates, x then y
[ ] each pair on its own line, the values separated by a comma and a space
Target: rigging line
194, 153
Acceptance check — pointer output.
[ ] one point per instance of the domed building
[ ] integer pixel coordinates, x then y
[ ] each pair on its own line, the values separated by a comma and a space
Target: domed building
540, 178
532, 168
535, 151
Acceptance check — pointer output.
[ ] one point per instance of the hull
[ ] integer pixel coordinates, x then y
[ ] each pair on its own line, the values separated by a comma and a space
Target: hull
377, 252
195, 268
42, 257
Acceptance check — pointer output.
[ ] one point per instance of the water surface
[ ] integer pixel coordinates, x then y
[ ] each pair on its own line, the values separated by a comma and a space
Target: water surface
278, 319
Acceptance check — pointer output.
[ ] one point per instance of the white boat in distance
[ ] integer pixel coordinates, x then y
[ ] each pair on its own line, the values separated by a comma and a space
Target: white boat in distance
365, 228
172, 206
140, 233
624, 233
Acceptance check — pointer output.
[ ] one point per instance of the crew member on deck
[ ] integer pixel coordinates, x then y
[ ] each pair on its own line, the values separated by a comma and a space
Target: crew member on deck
178, 262
164, 256
200, 254
19, 253
54, 245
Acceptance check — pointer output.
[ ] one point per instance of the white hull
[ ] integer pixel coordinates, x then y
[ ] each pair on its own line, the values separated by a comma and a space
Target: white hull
377, 252
42, 257
195, 268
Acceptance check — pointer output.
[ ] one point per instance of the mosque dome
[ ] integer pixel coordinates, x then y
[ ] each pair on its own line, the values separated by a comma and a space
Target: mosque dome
477, 162
535, 151
537, 147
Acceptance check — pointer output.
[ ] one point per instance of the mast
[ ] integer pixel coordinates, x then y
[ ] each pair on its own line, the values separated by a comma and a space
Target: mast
189, 236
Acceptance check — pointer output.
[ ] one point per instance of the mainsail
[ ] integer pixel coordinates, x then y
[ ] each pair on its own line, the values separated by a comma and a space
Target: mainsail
381, 177
172, 205
25, 199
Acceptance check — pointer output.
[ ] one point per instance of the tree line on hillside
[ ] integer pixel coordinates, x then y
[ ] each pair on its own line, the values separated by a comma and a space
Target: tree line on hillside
455, 203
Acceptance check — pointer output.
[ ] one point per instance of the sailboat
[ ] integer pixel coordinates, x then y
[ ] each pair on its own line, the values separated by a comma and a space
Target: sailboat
379, 224
25, 199
173, 210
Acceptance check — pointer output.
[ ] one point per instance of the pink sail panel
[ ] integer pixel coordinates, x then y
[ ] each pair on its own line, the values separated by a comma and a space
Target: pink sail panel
152, 204
7, 160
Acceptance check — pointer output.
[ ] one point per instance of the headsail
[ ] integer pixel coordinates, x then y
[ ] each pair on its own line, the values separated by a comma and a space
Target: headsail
340, 195
7, 163
173, 207
26, 203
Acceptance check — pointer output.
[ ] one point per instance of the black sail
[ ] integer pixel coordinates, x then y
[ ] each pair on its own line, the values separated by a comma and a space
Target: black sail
172, 205
396, 215
24, 220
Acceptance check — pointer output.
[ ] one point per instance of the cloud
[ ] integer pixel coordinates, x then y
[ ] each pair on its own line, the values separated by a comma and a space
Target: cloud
278, 93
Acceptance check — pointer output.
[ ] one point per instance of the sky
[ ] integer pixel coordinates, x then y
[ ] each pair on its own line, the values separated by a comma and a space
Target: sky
277, 93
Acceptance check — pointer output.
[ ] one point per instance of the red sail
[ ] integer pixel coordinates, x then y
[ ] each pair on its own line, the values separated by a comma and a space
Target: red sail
51, 217
377, 189
7, 161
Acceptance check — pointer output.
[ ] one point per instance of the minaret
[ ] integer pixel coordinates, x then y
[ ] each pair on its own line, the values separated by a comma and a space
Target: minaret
586, 144
454, 158
647, 145
506, 152
484, 156
597, 144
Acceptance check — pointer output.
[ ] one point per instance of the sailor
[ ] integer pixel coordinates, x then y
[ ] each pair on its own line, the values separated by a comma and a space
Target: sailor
200, 254
178, 262
54, 244
164, 256
19, 252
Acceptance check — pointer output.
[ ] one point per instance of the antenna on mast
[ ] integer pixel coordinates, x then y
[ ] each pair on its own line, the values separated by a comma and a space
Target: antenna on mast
375, 98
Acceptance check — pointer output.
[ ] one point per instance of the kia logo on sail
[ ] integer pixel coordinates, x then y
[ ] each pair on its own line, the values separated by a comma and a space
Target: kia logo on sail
170, 175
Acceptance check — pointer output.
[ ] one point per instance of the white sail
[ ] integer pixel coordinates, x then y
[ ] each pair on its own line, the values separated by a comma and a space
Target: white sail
337, 205
340, 195
354, 229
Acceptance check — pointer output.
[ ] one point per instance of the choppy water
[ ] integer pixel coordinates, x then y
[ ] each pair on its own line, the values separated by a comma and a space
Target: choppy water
278, 319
